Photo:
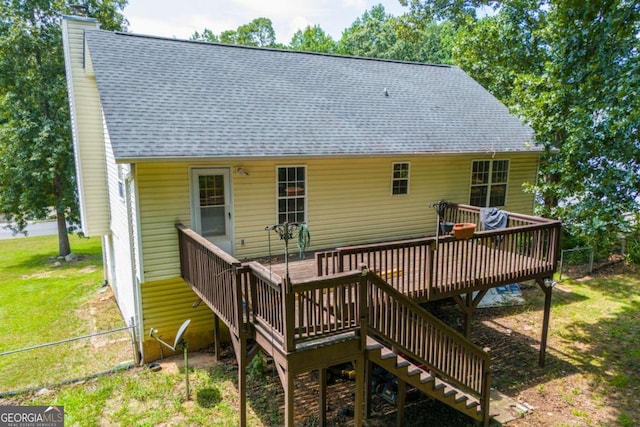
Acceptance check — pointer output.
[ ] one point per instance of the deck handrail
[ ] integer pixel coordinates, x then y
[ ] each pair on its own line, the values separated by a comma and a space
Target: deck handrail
401, 323
215, 276
439, 266
456, 213
324, 307
265, 301
493, 258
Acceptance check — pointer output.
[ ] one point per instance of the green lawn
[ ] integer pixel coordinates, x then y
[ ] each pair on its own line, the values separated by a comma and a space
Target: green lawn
44, 299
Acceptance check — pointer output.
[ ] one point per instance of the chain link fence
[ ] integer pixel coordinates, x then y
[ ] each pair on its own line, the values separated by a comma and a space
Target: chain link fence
64, 361
576, 262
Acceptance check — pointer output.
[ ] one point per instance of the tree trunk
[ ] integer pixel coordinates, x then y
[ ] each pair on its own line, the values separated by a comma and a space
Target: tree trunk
64, 247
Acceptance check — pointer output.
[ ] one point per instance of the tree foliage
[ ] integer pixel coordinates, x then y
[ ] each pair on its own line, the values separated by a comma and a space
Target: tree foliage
259, 33
380, 35
313, 39
570, 69
36, 156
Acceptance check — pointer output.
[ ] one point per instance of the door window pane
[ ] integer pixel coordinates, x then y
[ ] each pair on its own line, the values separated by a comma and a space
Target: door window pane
212, 221
212, 205
211, 190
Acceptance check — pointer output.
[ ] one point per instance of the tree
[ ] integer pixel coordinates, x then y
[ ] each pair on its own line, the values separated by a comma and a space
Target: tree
380, 35
570, 69
373, 35
259, 33
593, 79
36, 157
207, 35
313, 39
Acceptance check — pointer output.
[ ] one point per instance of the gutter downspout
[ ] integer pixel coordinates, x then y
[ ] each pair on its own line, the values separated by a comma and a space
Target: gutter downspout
137, 326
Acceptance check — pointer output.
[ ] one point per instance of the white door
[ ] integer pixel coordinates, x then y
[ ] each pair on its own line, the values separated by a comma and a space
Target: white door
211, 206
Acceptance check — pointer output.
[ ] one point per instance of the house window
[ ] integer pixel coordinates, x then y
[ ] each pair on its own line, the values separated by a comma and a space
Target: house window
121, 178
400, 178
292, 193
489, 183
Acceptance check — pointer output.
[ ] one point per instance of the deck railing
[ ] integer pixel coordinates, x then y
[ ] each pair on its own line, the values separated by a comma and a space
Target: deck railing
241, 293
436, 267
265, 301
401, 323
215, 276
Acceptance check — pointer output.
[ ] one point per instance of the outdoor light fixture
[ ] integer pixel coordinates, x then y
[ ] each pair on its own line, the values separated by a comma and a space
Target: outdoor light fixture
178, 343
241, 171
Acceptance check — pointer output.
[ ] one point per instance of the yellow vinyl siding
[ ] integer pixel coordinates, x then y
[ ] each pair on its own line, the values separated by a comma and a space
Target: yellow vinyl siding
522, 169
349, 201
87, 125
165, 305
163, 200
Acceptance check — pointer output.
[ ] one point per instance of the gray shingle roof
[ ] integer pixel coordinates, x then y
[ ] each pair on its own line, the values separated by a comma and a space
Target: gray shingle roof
166, 98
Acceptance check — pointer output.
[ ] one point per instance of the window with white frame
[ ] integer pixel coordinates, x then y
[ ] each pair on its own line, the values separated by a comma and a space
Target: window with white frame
292, 193
400, 178
489, 183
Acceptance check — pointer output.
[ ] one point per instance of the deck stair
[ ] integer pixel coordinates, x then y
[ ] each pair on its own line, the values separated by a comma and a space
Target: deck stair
419, 377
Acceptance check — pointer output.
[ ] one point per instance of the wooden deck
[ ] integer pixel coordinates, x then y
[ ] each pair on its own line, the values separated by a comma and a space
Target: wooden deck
316, 313
493, 267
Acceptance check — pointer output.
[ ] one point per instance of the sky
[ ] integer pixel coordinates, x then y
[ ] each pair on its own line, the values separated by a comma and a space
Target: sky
181, 18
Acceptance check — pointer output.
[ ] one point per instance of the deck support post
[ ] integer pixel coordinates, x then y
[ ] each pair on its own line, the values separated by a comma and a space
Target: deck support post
400, 402
358, 409
287, 379
241, 355
368, 373
216, 337
469, 305
322, 398
547, 289
468, 314
289, 399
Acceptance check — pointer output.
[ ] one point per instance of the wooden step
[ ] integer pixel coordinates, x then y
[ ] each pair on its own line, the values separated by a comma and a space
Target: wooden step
402, 362
473, 404
386, 353
461, 397
438, 384
449, 391
426, 378
373, 344
414, 370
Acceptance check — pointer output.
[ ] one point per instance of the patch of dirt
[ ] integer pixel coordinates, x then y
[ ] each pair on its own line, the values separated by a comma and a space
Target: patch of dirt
101, 314
173, 364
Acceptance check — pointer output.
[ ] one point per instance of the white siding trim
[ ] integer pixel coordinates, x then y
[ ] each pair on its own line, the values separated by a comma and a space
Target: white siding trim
88, 129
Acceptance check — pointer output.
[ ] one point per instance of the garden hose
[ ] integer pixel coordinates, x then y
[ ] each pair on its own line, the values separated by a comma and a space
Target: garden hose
304, 239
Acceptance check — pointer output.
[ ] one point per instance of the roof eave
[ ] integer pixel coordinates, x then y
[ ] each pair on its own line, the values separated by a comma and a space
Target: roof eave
192, 159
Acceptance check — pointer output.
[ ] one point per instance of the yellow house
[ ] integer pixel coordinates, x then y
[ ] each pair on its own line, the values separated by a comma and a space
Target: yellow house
229, 140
